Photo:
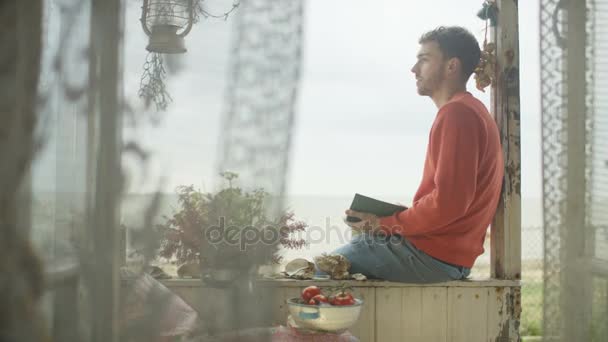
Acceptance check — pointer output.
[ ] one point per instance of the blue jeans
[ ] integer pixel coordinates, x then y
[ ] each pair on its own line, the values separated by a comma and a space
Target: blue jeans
394, 258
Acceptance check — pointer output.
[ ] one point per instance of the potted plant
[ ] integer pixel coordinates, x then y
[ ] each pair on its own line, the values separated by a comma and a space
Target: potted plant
226, 232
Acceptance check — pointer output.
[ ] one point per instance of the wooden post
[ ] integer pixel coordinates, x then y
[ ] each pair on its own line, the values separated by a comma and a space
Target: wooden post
106, 33
20, 38
506, 228
29, 28
576, 286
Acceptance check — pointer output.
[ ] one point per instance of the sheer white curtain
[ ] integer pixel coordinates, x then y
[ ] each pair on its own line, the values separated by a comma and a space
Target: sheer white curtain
63, 151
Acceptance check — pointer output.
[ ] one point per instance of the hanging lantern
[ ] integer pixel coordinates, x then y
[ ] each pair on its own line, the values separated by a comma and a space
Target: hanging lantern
166, 23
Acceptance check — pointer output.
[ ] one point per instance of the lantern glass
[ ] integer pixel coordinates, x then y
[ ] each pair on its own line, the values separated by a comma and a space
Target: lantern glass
168, 12
166, 22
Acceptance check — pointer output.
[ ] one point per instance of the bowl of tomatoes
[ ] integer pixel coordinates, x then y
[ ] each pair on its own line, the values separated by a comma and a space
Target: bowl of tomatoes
316, 309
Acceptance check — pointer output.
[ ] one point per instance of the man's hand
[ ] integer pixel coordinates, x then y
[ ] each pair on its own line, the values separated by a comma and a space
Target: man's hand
369, 222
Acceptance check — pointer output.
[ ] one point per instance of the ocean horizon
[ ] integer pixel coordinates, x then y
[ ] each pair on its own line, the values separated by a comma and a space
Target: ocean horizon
326, 229
322, 213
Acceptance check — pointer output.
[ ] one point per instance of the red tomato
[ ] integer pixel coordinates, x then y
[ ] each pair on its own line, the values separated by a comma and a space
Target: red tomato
310, 292
318, 299
343, 299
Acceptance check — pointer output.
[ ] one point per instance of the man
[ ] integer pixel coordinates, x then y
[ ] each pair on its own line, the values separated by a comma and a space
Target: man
441, 235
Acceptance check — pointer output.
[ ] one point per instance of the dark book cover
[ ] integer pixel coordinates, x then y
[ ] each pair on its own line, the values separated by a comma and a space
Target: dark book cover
371, 205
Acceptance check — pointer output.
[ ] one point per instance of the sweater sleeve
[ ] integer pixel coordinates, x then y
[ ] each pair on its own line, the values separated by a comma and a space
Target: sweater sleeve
454, 151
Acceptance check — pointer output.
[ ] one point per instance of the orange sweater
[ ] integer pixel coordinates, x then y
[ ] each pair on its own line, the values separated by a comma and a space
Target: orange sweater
460, 187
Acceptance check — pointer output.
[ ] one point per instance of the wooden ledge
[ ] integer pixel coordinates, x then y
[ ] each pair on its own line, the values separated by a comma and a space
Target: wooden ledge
475, 283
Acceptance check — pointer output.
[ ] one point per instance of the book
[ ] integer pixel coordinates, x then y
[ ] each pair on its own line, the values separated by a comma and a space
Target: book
371, 205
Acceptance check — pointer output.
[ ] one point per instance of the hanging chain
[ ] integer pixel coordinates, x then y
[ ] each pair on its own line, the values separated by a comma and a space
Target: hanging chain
200, 11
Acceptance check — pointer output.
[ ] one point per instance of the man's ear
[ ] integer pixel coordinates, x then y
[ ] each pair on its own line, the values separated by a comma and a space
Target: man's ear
454, 66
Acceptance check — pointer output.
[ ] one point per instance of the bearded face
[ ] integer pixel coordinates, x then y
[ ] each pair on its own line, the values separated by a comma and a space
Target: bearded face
430, 68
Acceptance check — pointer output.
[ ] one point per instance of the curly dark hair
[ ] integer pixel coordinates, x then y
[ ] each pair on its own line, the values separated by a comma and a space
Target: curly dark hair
456, 42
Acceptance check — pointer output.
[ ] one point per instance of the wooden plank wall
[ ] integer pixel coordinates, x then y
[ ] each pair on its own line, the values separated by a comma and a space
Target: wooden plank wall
455, 314
423, 313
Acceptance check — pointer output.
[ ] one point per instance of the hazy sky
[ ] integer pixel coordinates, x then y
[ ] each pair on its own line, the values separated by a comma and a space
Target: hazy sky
360, 125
